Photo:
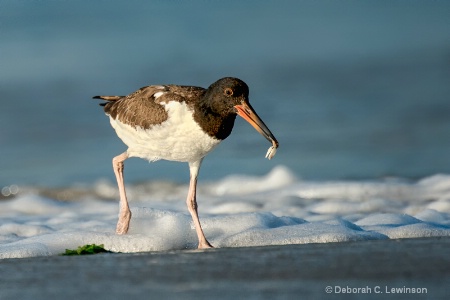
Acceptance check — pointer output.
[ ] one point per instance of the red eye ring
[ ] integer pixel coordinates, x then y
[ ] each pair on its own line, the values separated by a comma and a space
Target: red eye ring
228, 92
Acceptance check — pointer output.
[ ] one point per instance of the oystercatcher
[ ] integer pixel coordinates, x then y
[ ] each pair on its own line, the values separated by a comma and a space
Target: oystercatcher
178, 123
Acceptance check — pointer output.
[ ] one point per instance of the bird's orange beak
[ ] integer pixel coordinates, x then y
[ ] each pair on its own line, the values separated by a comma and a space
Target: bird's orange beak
248, 113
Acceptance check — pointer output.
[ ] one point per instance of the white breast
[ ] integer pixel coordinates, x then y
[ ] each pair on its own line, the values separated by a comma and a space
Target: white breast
179, 138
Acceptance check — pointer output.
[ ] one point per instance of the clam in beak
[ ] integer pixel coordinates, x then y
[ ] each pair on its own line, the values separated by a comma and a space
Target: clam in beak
246, 111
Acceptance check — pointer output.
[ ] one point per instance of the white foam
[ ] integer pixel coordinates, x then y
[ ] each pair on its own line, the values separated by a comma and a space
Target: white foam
275, 209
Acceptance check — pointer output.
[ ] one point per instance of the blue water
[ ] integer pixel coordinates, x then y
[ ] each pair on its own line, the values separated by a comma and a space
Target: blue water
350, 89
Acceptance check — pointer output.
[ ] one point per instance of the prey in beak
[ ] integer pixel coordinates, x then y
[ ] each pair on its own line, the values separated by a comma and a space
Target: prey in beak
248, 113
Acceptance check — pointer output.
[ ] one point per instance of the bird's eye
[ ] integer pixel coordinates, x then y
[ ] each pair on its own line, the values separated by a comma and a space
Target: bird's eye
228, 92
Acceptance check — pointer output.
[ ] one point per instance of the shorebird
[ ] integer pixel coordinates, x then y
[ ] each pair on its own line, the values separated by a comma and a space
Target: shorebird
178, 123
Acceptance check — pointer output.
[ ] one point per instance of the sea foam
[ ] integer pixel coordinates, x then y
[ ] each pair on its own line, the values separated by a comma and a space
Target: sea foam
237, 211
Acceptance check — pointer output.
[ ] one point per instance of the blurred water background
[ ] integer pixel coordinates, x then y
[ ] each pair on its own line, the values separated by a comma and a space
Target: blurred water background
351, 89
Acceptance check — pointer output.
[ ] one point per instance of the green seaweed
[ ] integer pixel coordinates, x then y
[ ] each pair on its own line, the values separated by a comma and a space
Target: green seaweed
86, 250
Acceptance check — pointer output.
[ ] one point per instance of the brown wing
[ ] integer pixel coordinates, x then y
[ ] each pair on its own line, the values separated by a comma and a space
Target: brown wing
143, 109
136, 109
188, 94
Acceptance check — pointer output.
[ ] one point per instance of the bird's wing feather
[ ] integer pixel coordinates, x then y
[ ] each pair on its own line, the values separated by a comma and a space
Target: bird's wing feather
138, 109
108, 98
144, 108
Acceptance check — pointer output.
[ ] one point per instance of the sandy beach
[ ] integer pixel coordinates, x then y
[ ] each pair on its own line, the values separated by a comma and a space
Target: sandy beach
385, 269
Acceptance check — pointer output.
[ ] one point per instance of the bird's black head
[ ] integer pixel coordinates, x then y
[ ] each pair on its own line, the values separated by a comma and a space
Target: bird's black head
230, 96
224, 94
223, 100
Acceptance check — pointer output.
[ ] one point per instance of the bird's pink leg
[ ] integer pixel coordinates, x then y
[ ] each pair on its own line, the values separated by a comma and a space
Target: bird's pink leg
124, 213
192, 205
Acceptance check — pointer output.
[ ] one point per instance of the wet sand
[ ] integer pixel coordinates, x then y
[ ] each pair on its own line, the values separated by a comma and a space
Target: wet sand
353, 270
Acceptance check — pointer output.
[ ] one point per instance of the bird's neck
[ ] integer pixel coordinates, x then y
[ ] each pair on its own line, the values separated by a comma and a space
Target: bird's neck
213, 122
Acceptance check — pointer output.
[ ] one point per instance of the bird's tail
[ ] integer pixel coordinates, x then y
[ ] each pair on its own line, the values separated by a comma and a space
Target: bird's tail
107, 98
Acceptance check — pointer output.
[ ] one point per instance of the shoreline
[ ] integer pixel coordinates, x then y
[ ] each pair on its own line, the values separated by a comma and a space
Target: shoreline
382, 267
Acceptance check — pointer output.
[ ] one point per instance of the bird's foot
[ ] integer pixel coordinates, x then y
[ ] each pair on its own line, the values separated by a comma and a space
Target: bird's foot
204, 245
121, 229
123, 223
